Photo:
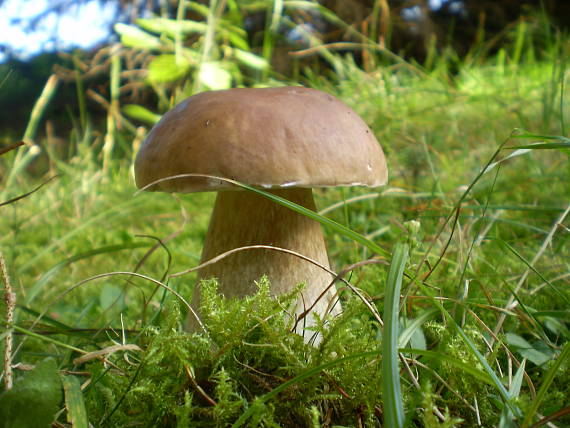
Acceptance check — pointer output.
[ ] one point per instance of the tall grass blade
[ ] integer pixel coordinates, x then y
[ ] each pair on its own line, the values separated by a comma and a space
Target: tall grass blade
113, 112
178, 36
392, 394
556, 142
40, 107
337, 227
515, 388
25, 195
544, 146
80, 90
48, 339
25, 155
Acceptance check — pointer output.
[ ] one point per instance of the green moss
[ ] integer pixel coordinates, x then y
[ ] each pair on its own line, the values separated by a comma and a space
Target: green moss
187, 379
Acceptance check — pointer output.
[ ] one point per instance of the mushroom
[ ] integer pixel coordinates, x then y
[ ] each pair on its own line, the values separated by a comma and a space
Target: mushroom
284, 140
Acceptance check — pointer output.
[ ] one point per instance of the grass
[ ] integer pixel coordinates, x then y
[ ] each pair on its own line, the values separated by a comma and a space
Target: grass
478, 334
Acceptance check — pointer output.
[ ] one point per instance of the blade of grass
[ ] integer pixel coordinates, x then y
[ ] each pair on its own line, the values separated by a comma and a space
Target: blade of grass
179, 36
544, 146
392, 394
531, 135
515, 388
507, 418
76, 412
114, 111
337, 227
548, 379
80, 90
40, 107
47, 339
46, 319
25, 195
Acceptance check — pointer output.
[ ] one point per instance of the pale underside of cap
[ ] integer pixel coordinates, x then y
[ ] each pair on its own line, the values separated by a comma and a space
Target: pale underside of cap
268, 138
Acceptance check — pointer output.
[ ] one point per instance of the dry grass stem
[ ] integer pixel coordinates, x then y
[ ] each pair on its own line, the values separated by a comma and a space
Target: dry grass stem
103, 353
10, 300
11, 147
198, 388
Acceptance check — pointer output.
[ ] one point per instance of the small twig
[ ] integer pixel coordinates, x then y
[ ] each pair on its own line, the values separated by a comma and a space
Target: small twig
198, 388
556, 415
103, 353
25, 195
10, 299
11, 147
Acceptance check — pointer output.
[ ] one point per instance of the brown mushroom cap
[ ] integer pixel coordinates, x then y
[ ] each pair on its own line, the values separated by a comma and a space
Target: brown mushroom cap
270, 138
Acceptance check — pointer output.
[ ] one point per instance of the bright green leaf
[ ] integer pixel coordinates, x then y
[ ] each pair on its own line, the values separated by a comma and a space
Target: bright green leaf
393, 404
165, 68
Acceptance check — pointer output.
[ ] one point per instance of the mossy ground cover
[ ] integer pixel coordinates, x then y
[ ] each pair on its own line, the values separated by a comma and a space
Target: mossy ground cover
483, 315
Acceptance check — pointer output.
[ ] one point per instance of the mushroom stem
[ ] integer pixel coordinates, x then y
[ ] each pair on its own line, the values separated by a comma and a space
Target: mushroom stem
243, 218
